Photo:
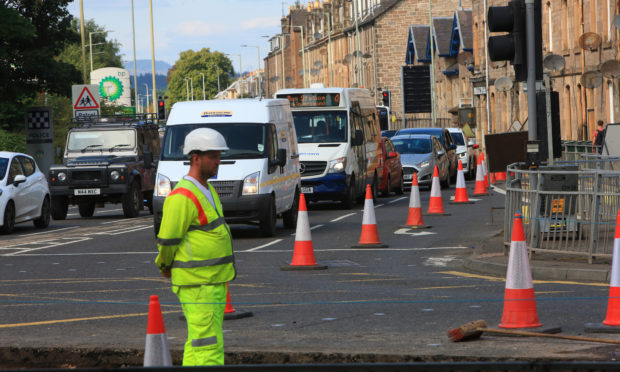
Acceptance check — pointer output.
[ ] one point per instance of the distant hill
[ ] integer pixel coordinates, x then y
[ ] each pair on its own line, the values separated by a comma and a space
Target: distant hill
143, 66
160, 80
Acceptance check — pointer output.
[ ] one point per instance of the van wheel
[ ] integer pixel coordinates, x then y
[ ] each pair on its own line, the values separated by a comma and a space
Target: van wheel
60, 205
388, 187
268, 222
87, 208
9, 219
132, 201
350, 199
44, 220
149, 202
290, 217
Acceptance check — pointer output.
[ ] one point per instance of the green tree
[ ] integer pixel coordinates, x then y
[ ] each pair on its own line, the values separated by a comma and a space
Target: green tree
106, 53
190, 65
32, 33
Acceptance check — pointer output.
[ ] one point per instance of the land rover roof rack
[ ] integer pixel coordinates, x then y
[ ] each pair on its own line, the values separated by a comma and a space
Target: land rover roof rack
115, 120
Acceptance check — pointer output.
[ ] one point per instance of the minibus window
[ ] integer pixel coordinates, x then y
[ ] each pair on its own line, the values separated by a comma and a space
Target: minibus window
321, 126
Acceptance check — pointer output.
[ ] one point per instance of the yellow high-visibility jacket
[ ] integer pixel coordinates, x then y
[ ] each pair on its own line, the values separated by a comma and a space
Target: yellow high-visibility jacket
194, 240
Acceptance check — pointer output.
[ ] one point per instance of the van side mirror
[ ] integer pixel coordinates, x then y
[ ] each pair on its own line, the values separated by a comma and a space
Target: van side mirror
20, 178
358, 138
280, 159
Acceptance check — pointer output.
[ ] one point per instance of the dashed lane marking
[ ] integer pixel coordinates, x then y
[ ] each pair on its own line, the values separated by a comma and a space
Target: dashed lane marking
397, 200
47, 232
262, 246
343, 217
359, 249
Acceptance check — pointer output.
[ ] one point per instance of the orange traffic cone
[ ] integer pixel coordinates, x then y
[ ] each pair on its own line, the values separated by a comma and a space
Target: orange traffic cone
303, 254
501, 176
480, 189
460, 194
370, 235
492, 178
414, 219
435, 205
229, 310
519, 300
485, 172
156, 351
613, 304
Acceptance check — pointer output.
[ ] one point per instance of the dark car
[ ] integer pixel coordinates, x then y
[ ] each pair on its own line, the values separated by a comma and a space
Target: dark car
392, 173
444, 137
106, 160
388, 133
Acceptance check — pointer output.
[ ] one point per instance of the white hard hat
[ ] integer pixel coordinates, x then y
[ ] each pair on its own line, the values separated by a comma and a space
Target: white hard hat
204, 139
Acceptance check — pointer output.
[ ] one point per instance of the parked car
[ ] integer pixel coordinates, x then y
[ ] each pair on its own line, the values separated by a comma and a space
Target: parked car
444, 137
388, 133
24, 194
465, 151
392, 174
419, 153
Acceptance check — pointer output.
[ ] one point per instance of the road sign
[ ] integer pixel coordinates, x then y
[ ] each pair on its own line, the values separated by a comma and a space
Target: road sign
85, 100
40, 136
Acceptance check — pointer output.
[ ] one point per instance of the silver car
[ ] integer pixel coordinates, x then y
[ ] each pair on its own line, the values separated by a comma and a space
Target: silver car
420, 153
465, 151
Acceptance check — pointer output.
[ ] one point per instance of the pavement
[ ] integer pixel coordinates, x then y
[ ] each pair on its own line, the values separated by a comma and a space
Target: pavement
491, 257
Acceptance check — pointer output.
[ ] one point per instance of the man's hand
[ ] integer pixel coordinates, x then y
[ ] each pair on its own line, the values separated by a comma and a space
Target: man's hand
166, 273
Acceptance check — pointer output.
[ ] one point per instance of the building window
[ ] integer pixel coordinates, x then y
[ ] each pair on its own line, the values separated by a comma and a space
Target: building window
549, 26
565, 24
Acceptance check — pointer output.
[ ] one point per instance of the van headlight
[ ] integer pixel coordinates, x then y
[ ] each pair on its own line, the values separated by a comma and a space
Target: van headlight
250, 184
337, 165
62, 176
163, 185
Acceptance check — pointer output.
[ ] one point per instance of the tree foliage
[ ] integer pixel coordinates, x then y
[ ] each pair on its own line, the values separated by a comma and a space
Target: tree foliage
106, 53
191, 65
32, 33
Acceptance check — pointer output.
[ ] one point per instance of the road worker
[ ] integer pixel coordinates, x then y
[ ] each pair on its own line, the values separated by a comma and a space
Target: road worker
195, 249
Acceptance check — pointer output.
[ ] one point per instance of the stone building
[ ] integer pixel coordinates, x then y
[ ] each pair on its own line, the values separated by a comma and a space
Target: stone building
581, 31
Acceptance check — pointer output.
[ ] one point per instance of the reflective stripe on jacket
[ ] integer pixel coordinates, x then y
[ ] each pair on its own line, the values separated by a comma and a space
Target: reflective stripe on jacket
194, 240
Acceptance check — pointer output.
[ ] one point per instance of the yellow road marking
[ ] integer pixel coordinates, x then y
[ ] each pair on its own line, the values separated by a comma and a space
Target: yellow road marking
446, 287
496, 279
60, 321
367, 280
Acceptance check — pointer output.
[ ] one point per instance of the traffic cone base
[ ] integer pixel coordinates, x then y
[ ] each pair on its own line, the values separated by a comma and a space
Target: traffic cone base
519, 309
460, 194
370, 235
156, 350
229, 311
303, 252
480, 189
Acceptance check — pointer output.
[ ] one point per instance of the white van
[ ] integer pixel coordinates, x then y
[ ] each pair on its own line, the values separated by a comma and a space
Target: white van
258, 178
339, 142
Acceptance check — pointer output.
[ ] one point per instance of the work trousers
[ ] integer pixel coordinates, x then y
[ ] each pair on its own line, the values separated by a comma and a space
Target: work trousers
203, 306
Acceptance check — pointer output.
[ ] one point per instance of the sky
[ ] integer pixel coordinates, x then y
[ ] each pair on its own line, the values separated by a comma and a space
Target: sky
180, 25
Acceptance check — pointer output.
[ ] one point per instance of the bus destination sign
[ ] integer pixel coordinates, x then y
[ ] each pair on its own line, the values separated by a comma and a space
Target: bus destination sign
313, 99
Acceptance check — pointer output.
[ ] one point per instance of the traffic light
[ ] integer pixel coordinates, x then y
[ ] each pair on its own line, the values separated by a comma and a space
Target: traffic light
513, 45
161, 109
386, 98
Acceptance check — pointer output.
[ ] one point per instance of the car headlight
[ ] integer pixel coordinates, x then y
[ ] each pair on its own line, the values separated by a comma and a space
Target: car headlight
115, 175
62, 176
163, 185
250, 184
462, 155
424, 164
337, 165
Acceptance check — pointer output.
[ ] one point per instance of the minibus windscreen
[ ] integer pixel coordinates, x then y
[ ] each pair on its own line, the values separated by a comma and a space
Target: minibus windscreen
321, 126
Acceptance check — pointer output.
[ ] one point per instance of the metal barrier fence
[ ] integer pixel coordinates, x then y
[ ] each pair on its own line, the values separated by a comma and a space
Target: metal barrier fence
575, 150
569, 208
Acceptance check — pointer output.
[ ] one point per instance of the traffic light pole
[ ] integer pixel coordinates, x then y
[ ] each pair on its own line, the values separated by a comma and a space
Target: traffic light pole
531, 69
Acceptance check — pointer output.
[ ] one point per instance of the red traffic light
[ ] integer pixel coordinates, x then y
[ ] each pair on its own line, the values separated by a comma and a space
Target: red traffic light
161, 103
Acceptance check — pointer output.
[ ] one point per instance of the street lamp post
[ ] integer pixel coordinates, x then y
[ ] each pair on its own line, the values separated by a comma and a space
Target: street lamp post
303, 54
147, 97
186, 88
258, 86
203, 86
218, 78
90, 46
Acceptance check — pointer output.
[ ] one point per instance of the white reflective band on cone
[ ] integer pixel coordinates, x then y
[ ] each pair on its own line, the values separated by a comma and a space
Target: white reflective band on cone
302, 233
519, 275
369, 213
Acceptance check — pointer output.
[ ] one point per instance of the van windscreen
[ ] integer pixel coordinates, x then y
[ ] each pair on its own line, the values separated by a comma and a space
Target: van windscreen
245, 140
320, 126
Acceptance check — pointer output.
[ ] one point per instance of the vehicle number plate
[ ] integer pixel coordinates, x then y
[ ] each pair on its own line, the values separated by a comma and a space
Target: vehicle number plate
79, 192
307, 190
408, 176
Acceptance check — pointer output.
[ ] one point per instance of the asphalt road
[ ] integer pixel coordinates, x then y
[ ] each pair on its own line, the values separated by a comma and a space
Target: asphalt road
86, 282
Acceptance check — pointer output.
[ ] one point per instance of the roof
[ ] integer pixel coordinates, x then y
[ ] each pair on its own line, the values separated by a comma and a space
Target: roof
464, 21
419, 38
442, 33
223, 110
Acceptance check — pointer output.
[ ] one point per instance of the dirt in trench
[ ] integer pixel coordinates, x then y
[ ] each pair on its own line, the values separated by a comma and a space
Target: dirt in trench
27, 358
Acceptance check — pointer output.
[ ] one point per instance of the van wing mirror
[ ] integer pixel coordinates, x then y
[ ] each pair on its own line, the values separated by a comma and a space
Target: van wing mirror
358, 138
280, 159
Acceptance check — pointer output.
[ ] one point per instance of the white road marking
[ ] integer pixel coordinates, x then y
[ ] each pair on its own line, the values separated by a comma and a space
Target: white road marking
361, 249
499, 190
407, 231
90, 254
47, 232
263, 246
399, 199
123, 230
312, 228
439, 261
379, 205
470, 199
343, 217
108, 210
46, 244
